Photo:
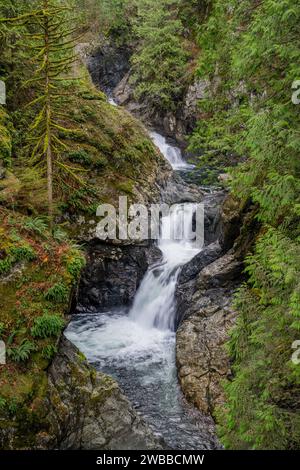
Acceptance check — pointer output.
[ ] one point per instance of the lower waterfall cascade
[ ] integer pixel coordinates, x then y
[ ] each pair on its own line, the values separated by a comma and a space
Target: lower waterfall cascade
137, 346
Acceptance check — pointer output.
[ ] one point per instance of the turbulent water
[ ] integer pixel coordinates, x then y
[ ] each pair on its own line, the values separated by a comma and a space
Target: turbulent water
137, 347
172, 154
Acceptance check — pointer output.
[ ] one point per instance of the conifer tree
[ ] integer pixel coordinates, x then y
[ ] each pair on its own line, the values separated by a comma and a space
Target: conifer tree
160, 63
50, 53
53, 47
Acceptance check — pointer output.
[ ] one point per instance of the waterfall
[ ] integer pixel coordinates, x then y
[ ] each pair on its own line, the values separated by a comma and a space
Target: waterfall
171, 153
154, 304
138, 347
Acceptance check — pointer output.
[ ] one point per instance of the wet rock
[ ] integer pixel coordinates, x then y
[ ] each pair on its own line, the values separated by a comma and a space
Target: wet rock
176, 191
87, 410
108, 64
112, 275
123, 92
204, 258
201, 357
205, 314
231, 222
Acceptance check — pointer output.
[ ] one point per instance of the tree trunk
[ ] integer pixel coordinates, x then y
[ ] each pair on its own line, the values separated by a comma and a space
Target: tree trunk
48, 120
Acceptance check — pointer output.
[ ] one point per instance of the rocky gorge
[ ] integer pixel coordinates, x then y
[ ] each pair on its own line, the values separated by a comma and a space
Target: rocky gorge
205, 286
80, 406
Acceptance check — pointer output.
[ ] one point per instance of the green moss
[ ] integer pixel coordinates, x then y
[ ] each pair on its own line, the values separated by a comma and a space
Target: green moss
126, 187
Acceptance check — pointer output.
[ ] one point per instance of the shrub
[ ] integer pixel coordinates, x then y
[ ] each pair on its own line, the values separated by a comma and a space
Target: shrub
58, 293
47, 326
3, 403
2, 329
5, 265
75, 266
22, 253
59, 234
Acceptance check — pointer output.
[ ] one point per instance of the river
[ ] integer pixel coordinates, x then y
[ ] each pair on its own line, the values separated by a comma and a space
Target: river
137, 346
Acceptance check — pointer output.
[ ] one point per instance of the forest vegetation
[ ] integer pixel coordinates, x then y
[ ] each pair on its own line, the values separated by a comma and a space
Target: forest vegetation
57, 129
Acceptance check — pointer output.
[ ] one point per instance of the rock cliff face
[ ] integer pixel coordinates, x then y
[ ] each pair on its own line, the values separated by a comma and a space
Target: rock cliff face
112, 275
204, 308
175, 125
201, 357
87, 410
81, 409
109, 66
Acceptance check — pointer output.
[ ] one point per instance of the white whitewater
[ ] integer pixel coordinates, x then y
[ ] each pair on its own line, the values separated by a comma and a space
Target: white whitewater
154, 305
138, 347
171, 153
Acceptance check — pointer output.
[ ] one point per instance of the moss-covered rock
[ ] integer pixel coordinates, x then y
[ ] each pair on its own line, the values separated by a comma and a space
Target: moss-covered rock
75, 408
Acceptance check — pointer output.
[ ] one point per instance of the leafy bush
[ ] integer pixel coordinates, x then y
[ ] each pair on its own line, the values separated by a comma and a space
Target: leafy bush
5, 265
14, 255
21, 353
47, 326
59, 234
58, 293
2, 329
3, 403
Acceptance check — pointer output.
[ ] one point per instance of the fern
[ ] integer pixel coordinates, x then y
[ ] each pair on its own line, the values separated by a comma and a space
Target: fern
21, 353
36, 225
58, 293
47, 326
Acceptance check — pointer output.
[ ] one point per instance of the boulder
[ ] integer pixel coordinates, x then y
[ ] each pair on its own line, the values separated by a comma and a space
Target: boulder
201, 356
87, 410
112, 275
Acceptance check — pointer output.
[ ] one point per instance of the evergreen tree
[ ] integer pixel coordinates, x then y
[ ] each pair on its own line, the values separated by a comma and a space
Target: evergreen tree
50, 55
159, 65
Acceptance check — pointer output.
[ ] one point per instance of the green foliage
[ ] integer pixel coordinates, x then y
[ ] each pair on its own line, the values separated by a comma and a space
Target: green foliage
58, 293
3, 403
21, 353
22, 253
159, 65
249, 55
75, 265
80, 156
49, 352
59, 234
46, 326
36, 225
48, 53
5, 138
14, 255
